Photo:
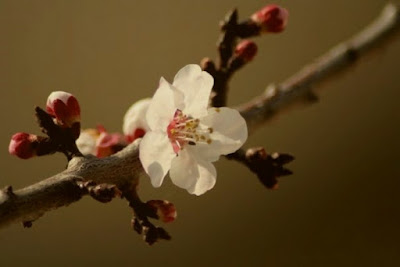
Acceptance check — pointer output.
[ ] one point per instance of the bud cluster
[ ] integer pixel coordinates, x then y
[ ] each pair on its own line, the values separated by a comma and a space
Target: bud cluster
61, 123
269, 19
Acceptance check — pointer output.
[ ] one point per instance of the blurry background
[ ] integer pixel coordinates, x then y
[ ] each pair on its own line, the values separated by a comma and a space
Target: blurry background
340, 208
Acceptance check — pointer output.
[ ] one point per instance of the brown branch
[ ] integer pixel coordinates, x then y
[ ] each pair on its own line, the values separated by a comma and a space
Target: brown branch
123, 169
297, 89
28, 204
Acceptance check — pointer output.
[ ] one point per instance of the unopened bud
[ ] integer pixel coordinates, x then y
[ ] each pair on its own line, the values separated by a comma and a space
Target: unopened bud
271, 18
165, 210
23, 145
64, 107
135, 125
246, 50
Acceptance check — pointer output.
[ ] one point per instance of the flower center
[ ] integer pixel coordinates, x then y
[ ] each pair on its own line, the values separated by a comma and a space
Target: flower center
184, 130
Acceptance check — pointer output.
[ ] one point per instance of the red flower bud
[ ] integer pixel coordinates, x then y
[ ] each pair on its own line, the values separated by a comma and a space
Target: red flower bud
23, 145
64, 107
246, 50
271, 18
165, 210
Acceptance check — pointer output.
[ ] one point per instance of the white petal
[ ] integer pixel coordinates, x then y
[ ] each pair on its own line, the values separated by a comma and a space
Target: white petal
190, 173
184, 171
61, 95
229, 132
156, 155
86, 143
135, 117
163, 106
207, 179
196, 86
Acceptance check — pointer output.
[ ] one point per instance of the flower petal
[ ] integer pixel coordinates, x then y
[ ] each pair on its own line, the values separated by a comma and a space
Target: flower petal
196, 86
156, 155
184, 171
229, 132
165, 102
135, 117
207, 178
86, 142
191, 173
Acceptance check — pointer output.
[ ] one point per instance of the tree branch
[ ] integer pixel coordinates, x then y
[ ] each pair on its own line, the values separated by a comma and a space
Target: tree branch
123, 169
26, 205
297, 89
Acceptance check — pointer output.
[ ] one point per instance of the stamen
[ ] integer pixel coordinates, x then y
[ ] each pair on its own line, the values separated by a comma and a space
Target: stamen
184, 129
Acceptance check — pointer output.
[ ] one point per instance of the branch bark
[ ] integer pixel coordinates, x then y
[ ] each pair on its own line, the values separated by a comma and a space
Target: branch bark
28, 204
123, 169
297, 89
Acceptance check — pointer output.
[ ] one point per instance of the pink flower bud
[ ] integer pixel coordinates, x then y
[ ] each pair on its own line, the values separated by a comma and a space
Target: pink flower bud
165, 210
64, 107
246, 50
23, 145
271, 18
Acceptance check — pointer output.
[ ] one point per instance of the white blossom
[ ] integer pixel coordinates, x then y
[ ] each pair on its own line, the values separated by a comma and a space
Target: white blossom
185, 136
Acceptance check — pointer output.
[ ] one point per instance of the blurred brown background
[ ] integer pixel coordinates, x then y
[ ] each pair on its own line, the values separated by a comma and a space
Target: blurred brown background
340, 208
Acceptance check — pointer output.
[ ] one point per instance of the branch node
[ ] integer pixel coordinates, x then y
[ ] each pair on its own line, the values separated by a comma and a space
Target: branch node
101, 192
8, 191
27, 224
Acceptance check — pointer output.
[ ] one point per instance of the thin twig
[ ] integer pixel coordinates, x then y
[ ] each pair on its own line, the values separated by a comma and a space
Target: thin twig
297, 89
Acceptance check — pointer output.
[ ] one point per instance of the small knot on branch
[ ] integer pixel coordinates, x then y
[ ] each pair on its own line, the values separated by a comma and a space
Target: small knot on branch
101, 192
7, 192
27, 224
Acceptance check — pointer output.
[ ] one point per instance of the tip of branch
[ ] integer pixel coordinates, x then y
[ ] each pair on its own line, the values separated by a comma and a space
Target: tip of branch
230, 19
